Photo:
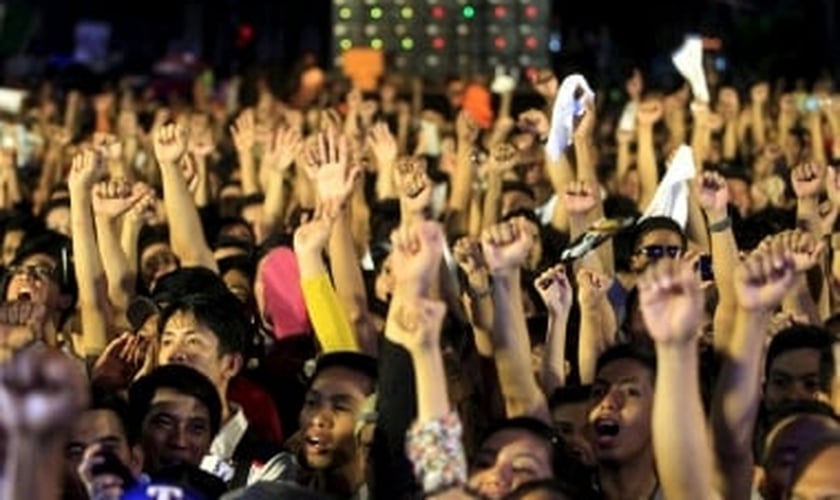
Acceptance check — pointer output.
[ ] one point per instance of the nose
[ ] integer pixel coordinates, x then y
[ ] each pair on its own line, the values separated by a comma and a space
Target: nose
799, 392
178, 438
322, 418
613, 400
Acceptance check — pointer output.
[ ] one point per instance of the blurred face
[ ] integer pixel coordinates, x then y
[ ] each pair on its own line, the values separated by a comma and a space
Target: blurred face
508, 459
384, 284
176, 431
253, 216
328, 418
630, 186
793, 375
36, 280
820, 480
58, 219
101, 427
654, 245
570, 421
739, 195
186, 341
11, 242
783, 446
238, 283
620, 411
157, 260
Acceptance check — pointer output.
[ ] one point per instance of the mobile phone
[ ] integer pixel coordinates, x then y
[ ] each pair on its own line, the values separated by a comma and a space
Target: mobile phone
704, 267
113, 466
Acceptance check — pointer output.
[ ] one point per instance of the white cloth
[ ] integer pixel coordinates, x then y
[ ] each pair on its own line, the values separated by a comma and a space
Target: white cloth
566, 108
689, 62
671, 196
219, 461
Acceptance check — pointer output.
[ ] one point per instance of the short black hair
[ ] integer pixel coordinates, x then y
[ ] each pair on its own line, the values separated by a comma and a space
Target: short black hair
57, 247
802, 336
107, 400
187, 281
569, 394
355, 361
180, 378
655, 223
637, 351
795, 408
222, 314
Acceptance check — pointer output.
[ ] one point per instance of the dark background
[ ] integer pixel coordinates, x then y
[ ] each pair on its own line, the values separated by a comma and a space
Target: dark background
777, 38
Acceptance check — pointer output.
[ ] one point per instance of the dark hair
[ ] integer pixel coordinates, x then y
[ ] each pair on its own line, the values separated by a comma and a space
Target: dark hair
150, 235
640, 352
54, 203
801, 336
355, 361
182, 379
569, 394
795, 408
809, 453
553, 488
651, 224
106, 400
186, 281
59, 248
221, 314
518, 187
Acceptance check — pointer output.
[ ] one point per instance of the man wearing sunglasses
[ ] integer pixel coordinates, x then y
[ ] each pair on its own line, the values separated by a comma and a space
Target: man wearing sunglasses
656, 238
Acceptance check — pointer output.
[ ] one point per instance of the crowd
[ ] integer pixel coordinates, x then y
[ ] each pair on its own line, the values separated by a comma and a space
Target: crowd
350, 294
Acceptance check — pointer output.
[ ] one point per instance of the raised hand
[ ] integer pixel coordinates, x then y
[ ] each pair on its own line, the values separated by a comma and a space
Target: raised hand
200, 143
555, 290
671, 301
592, 287
764, 277
330, 169
506, 246
413, 183
85, 171
417, 253
713, 195
415, 324
170, 144
286, 147
807, 180
21, 323
113, 198
832, 186
759, 93
120, 361
108, 145
586, 125
467, 254
649, 112
243, 132
466, 129
804, 249
312, 236
144, 210
382, 144
728, 103
42, 391
503, 157
579, 198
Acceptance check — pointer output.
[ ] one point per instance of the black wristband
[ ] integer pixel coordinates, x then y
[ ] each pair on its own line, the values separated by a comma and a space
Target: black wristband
721, 225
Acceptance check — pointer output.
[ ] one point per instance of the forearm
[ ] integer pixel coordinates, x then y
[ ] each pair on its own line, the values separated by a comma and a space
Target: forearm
129, 237
492, 201
430, 383
329, 319
681, 444
511, 350
462, 180
590, 342
118, 273
274, 205
799, 303
248, 169
186, 234
757, 127
553, 372
646, 165
349, 284
33, 468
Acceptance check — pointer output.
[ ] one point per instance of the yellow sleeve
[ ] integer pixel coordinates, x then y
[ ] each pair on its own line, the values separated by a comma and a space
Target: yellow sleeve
328, 317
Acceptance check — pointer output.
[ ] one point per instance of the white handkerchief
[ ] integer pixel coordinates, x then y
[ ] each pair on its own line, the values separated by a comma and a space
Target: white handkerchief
671, 196
689, 62
566, 108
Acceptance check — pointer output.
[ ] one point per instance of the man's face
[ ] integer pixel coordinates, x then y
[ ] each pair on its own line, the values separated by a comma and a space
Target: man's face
328, 417
570, 421
177, 430
157, 260
186, 341
784, 443
620, 411
793, 375
508, 459
102, 427
35, 280
654, 245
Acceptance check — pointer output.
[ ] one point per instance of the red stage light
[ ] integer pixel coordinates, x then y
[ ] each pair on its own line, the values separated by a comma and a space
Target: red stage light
438, 12
438, 43
531, 42
531, 11
500, 42
500, 11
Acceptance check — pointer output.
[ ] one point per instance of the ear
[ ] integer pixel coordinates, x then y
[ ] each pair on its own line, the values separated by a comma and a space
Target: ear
135, 459
232, 365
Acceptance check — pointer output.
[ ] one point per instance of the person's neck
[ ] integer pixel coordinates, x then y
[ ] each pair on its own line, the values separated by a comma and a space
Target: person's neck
347, 479
633, 479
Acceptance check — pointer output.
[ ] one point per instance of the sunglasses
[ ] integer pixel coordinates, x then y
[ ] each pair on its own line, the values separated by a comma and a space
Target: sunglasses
656, 252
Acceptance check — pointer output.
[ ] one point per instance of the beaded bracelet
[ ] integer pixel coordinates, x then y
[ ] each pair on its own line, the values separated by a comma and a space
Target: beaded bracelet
436, 452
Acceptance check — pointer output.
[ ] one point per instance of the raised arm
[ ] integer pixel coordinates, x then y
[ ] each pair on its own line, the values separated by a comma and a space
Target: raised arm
506, 247
760, 282
556, 292
90, 276
650, 111
186, 234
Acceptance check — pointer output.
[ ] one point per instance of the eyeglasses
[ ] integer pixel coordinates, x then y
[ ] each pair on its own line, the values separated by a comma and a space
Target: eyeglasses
38, 272
656, 252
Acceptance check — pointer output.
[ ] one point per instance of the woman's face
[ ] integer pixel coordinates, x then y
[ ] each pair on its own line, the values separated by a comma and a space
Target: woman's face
384, 285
